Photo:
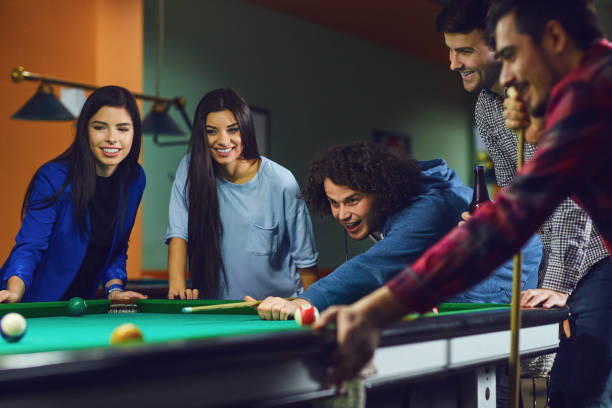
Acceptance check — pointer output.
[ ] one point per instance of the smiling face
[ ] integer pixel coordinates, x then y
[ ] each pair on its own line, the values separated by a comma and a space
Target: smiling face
354, 210
525, 66
111, 132
224, 139
472, 58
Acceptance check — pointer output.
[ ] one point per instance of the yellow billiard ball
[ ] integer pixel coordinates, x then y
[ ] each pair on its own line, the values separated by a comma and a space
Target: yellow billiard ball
127, 333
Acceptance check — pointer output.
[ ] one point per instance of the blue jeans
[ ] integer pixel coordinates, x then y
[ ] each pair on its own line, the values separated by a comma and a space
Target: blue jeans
582, 373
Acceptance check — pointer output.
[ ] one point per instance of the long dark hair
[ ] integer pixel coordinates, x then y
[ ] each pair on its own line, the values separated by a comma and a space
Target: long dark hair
81, 162
204, 227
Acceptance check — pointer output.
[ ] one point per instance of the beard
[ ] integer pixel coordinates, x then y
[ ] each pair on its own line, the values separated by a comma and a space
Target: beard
539, 111
490, 75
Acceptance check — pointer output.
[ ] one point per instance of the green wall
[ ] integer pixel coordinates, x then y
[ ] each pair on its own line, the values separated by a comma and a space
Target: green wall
321, 87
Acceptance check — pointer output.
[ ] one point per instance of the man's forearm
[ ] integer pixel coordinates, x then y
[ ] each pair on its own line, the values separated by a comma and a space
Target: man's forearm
381, 307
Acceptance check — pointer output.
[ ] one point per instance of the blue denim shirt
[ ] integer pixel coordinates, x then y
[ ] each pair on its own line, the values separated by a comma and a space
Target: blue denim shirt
406, 236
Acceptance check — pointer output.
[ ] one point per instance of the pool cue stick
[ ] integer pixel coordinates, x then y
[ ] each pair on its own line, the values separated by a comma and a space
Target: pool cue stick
224, 306
515, 310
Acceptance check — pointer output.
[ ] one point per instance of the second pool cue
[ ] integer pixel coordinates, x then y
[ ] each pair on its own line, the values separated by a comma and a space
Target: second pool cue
515, 311
224, 306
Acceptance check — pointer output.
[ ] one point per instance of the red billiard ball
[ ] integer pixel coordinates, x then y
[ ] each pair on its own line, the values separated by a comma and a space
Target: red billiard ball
306, 315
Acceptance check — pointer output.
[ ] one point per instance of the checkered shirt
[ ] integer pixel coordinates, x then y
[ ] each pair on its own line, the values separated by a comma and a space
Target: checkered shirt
570, 242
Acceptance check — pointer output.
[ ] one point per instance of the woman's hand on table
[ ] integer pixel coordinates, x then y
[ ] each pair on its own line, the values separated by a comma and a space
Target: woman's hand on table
183, 294
178, 291
277, 308
13, 293
129, 296
6, 296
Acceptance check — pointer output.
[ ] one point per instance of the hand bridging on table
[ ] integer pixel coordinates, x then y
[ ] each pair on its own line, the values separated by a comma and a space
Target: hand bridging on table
128, 296
357, 335
183, 294
277, 308
515, 113
546, 298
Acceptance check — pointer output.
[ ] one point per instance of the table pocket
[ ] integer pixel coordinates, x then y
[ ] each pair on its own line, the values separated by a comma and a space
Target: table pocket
262, 240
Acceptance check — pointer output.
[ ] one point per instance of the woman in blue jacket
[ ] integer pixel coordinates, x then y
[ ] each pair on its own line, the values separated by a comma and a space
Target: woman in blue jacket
79, 209
405, 206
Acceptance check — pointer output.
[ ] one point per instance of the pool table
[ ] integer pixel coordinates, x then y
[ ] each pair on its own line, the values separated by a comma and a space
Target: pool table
232, 358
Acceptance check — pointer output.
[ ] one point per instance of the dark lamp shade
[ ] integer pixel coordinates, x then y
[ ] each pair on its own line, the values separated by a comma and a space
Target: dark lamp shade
43, 106
159, 122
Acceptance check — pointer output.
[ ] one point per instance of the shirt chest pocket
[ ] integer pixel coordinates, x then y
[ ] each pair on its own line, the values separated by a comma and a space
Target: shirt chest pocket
262, 240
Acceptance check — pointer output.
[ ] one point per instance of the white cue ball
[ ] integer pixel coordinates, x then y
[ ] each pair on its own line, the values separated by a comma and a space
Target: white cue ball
13, 327
306, 315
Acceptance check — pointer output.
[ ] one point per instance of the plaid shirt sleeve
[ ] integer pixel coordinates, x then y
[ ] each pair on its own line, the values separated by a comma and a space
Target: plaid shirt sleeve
574, 245
569, 157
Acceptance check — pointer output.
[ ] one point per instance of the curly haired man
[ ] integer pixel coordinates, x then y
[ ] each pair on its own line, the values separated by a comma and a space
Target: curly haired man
405, 206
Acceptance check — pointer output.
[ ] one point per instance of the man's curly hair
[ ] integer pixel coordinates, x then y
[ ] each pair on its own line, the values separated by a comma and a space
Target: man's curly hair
366, 167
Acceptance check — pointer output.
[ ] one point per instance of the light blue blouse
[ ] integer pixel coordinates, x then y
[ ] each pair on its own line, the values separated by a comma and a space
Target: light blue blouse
267, 232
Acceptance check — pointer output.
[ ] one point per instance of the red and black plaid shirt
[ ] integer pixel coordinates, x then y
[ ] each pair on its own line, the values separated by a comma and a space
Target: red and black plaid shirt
574, 158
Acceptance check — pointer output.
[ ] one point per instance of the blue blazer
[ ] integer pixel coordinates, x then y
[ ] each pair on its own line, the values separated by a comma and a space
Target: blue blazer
50, 246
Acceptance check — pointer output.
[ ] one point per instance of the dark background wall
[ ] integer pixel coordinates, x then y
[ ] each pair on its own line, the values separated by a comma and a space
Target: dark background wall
320, 87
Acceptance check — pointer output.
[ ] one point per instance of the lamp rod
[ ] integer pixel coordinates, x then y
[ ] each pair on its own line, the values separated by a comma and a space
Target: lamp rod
19, 74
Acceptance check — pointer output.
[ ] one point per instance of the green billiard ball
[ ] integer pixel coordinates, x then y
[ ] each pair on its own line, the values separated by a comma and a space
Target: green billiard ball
76, 307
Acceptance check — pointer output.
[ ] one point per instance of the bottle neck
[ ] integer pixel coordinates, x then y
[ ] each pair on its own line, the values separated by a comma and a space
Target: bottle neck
480, 195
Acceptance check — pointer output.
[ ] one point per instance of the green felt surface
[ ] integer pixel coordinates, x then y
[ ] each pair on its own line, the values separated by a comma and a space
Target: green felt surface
453, 308
176, 306
446, 309
50, 329
43, 309
72, 333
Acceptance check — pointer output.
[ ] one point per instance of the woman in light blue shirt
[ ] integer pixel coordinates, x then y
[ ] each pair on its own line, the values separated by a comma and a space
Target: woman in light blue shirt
234, 215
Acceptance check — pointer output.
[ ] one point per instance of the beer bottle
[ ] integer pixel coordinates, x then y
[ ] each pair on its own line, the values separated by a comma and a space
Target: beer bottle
481, 195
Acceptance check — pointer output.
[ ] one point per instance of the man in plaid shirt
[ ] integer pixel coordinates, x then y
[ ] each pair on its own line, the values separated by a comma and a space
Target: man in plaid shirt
552, 52
571, 244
